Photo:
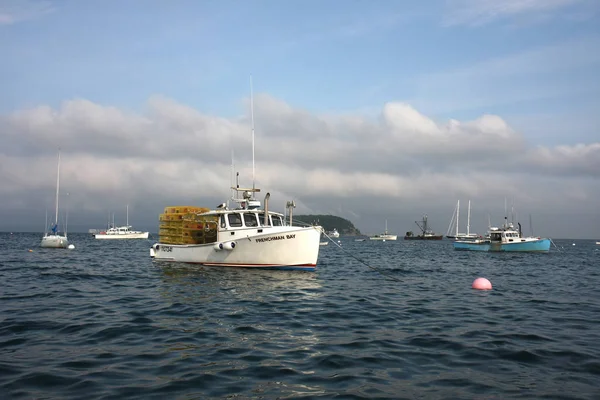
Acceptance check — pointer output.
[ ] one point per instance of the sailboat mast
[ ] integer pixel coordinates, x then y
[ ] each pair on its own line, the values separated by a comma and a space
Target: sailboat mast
457, 214
127, 216
469, 219
252, 120
57, 187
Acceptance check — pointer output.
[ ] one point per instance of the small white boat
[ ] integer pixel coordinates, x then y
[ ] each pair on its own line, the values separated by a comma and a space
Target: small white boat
323, 243
334, 233
121, 232
54, 239
385, 235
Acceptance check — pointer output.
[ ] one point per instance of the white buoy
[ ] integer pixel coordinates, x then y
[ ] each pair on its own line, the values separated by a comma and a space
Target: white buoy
71, 246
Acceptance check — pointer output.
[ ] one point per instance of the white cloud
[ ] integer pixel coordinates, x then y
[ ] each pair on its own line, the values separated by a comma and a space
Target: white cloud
13, 11
396, 167
481, 12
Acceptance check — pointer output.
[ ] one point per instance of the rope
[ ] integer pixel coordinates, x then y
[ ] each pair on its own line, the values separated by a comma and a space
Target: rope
361, 261
557, 248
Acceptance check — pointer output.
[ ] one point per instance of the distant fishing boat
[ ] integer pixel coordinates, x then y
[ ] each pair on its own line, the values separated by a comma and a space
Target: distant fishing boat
334, 233
385, 235
121, 232
426, 233
506, 238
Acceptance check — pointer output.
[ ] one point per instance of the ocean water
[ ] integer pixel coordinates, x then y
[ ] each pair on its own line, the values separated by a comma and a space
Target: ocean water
377, 320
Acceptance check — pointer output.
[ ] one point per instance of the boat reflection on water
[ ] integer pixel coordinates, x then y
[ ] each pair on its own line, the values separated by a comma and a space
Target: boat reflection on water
188, 284
208, 312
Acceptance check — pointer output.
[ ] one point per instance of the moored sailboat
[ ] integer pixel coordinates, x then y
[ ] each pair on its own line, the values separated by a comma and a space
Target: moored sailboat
54, 239
454, 222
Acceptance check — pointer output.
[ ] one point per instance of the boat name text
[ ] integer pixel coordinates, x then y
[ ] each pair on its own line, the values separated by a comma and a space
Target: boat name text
281, 237
166, 248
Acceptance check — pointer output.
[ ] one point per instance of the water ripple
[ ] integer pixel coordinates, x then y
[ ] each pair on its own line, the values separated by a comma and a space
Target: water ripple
77, 324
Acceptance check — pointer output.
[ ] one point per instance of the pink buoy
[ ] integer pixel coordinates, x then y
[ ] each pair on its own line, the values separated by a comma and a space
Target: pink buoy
482, 284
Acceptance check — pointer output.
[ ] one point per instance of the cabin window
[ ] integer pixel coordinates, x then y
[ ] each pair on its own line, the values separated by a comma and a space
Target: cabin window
250, 219
223, 225
276, 220
261, 218
235, 220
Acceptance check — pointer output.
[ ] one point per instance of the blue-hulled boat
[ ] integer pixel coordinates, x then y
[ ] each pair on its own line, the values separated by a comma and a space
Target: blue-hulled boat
506, 238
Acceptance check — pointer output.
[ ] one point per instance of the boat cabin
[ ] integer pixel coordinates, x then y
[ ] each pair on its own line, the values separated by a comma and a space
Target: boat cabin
247, 218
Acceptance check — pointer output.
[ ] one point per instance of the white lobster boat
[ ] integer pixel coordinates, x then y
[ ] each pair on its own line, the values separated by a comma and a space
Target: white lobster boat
245, 236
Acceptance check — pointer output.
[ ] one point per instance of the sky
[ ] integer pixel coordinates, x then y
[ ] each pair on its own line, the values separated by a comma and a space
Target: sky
368, 110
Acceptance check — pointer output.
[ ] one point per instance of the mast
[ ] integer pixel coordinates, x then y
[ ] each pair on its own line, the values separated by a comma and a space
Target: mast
127, 216
457, 214
252, 119
67, 214
57, 187
469, 219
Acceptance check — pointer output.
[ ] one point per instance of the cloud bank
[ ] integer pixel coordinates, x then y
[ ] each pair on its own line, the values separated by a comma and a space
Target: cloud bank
396, 166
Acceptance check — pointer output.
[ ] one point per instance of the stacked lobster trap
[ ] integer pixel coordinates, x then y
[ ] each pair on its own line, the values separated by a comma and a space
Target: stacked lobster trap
187, 225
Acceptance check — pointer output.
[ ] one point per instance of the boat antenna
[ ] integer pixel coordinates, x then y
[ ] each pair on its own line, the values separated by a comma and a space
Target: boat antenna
232, 176
505, 214
531, 225
252, 120
512, 210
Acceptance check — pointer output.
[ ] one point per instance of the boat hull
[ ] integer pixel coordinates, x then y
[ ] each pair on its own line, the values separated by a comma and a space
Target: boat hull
141, 235
536, 245
419, 237
54, 242
383, 238
295, 249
